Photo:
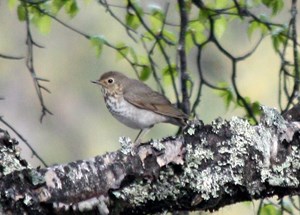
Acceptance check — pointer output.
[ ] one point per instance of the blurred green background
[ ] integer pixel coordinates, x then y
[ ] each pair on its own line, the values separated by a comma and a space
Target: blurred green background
81, 126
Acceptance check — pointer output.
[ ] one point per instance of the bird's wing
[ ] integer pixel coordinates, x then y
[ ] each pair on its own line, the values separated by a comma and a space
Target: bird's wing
145, 98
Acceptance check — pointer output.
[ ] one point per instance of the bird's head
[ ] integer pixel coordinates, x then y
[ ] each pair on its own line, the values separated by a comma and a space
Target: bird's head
111, 82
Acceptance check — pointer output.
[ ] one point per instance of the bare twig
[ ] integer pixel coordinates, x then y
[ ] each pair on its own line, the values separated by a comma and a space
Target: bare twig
9, 57
30, 65
158, 39
24, 140
295, 91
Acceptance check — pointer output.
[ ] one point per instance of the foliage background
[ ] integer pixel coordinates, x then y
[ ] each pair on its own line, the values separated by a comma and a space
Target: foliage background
81, 126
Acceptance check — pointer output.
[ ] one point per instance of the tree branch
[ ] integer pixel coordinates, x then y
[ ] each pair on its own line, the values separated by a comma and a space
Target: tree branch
205, 168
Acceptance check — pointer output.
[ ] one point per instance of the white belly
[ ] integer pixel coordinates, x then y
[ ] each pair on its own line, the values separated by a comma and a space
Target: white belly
133, 116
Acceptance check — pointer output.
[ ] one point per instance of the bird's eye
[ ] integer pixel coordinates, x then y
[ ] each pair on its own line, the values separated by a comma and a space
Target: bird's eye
110, 81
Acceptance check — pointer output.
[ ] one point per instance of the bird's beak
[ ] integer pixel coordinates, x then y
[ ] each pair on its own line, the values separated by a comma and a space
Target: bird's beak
98, 82
95, 82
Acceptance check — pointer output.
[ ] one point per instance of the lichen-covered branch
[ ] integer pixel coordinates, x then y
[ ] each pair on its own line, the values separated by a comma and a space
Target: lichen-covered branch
205, 168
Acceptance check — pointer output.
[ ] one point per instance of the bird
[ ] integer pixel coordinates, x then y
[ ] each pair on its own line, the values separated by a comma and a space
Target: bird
136, 105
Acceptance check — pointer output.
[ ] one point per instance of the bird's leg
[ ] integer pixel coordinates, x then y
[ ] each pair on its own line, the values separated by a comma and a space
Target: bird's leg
142, 132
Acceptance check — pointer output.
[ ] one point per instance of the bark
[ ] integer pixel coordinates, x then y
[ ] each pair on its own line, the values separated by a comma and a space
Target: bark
204, 168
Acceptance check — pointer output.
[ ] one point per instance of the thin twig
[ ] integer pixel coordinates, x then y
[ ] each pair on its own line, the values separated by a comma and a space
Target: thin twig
9, 57
295, 91
24, 140
30, 65
158, 39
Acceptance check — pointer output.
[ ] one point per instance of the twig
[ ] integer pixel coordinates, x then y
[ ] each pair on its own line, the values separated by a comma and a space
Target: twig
24, 140
128, 29
30, 65
182, 57
295, 91
158, 39
9, 57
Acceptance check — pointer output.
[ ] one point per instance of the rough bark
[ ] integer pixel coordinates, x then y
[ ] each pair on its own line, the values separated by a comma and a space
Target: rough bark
205, 168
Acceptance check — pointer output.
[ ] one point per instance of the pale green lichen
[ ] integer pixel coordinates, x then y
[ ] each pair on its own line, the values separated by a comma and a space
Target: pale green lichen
143, 191
217, 124
216, 174
191, 131
272, 117
126, 145
27, 200
283, 174
36, 177
157, 145
9, 162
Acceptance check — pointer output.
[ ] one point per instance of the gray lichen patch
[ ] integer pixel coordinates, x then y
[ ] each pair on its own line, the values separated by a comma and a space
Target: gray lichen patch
142, 191
126, 145
36, 177
284, 174
271, 117
9, 162
220, 156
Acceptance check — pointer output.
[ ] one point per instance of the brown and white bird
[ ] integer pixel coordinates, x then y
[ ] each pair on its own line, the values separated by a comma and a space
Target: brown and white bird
136, 105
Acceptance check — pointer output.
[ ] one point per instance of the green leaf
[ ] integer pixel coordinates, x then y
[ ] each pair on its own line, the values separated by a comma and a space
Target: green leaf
220, 4
168, 72
197, 30
133, 54
132, 21
227, 94
275, 5
254, 25
57, 5
71, 8
44, 24
145, 73
156, 24
12, 4
143, 60
255, 106
157, 12
97, 42
123, 50
269, 209
21, 12
147, 36
170, 36
137, 5
220, 26
204, 14
278, 37
156, 18
189, 43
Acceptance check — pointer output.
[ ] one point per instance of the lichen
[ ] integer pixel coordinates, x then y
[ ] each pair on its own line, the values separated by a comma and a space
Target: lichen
9, 162
126, 145
142, 191
283, 174
157, 145
27, 200
36, 177
207, 170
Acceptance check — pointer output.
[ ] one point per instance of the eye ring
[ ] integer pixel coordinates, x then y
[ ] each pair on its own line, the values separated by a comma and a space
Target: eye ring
110, 81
